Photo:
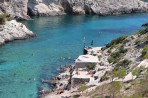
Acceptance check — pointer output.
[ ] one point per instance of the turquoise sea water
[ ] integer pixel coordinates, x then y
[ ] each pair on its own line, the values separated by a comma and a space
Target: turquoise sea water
23, 63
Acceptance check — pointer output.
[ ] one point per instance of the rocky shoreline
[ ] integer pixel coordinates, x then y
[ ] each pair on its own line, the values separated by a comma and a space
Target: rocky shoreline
13, 30
118, 61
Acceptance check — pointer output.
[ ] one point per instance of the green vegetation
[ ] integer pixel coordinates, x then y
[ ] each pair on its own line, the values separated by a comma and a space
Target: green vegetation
2, 19
115, 88
76, 96
136, 71
116, 41
145, 52
137, 42
122, 50
115, 56
120, 73
91, 66
142, 31
125, 41
105, 77
109, 51
99, 57
112, 60
82, 87
123, 63
141, 89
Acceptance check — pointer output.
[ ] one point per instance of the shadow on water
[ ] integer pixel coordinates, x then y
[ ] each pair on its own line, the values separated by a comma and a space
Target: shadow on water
2, 61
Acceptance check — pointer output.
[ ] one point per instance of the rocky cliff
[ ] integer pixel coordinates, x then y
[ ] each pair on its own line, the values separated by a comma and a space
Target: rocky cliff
16, 8
99, 7
20, 8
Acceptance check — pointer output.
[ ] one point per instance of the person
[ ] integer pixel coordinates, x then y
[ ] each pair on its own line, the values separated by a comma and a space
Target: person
92, 42
84, 41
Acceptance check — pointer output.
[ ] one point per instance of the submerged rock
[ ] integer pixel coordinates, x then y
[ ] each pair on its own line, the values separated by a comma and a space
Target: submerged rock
14, 30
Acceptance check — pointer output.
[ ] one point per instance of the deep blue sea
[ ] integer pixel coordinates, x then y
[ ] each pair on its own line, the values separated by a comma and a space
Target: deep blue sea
23, 63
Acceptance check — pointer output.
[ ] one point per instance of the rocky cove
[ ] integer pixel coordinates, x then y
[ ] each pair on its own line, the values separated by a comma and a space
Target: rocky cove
24, 63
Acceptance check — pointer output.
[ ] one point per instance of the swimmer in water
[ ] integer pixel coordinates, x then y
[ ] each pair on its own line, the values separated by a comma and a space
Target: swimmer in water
32, 54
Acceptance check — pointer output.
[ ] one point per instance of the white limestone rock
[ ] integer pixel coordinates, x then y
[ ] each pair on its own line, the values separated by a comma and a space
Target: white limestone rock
13, 30
99, 7
129, 77
15, 8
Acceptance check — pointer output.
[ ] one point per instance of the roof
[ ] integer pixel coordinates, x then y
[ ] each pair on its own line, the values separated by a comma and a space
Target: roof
82, 75
87, 58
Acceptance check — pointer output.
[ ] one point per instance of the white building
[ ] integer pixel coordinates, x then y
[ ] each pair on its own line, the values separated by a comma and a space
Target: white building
83, 60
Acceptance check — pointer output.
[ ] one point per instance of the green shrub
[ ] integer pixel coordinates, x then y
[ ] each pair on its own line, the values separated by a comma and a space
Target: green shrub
115, 54
76, 96
104, 78
109, 51
123, 63
99, 57
125, 41
116, 86
145, 52
120, 73
136, 72
112, 60
91, 66
137, 42
122, 50
142, 31
82, 87
2, 19
116, 41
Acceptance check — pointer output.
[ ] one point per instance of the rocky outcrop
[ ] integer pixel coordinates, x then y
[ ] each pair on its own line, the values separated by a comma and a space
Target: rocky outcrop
20, 8
99, 7
13, 30
15, 8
